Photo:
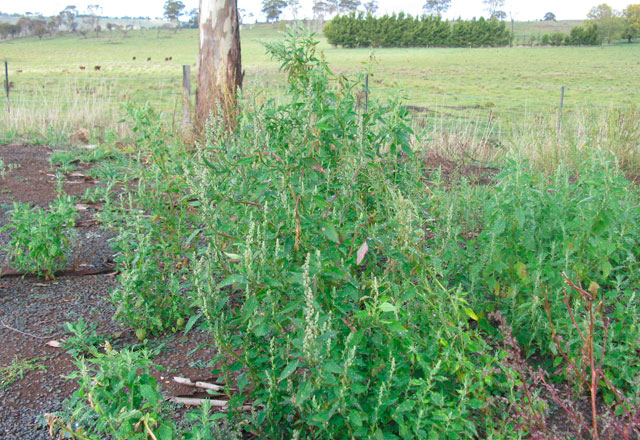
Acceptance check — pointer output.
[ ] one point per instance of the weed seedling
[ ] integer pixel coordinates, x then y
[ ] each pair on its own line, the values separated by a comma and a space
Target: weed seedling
18, 368
83, 339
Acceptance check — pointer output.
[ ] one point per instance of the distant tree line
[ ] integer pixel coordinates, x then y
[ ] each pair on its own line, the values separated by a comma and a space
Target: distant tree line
588, 35
400, 30
71, 20
27, 26
614, 24
604, 25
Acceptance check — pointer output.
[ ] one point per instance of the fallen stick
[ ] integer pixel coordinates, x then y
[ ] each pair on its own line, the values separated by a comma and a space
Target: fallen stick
86, 223
198, 384
2, 323
7, 272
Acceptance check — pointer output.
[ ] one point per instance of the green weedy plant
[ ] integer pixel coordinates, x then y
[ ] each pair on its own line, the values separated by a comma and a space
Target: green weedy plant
150, 296
40, 238
6, 168
530, 228
82, 339
152, 221
17, 369
118, 397
314, 273
203, 424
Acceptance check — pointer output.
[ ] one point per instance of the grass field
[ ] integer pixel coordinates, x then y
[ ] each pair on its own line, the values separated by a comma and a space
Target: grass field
527, 29
504, 85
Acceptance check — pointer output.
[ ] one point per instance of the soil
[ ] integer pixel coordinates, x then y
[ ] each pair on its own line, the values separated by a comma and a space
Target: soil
450, 170
33, 310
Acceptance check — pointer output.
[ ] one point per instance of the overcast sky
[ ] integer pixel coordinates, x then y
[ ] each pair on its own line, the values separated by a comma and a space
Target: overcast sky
521, 9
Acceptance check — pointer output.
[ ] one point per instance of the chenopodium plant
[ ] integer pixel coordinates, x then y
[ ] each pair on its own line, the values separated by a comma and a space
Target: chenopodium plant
314, 280
40, 239
116, 397
151, 296
152, 223
535, 227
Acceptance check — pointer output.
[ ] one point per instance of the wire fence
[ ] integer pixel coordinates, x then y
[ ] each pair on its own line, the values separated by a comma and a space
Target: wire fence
79, 98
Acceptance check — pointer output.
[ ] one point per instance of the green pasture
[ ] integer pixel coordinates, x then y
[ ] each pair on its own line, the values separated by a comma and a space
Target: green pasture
527, 29
504, 84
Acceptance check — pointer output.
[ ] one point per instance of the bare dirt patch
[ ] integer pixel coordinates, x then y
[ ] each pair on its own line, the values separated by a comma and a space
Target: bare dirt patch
32, 179
450, 170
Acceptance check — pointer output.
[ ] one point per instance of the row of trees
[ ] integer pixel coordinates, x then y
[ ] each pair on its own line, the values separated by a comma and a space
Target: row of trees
273, 9
588, 35
30, 26
67, 20
400, 30
614, 24
439, 7
71, 20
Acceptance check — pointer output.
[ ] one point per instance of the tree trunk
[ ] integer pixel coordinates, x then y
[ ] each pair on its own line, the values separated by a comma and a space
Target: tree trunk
220, 73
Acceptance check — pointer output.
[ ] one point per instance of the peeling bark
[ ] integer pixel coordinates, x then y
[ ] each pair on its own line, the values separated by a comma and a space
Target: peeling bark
220, 72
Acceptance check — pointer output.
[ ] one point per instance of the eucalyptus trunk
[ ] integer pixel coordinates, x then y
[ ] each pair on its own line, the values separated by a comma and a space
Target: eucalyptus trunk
220, 73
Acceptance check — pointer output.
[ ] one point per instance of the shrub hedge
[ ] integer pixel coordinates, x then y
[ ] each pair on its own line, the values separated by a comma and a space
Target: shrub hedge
579, 36
401, 30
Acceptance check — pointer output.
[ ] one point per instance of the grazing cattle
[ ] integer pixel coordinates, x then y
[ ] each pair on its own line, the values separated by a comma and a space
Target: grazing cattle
82, 67
149, 59
134, 58
19, 70
170, 58
97, 67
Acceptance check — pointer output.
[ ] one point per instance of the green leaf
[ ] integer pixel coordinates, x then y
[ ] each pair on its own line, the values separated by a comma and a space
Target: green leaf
288, 370
362, 314
355, 419
191, 322
476, 403
242, 382
149, 393
303, 393
330, 232
322, 123
387, 307
193, 235
333, 367
164, 432
471, 314
395, 326
237, 366
233, 279
322, 417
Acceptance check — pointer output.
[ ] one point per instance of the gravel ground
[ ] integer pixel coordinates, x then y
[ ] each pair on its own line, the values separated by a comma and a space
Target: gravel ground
33, 311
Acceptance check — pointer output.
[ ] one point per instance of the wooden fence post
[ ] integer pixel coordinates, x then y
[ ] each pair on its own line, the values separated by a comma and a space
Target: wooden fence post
7, 86
186, 96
